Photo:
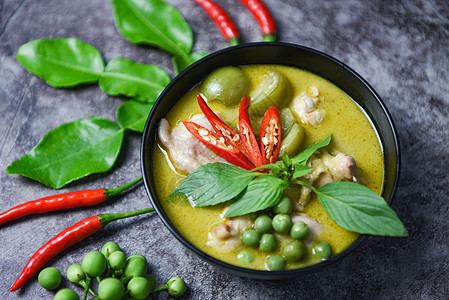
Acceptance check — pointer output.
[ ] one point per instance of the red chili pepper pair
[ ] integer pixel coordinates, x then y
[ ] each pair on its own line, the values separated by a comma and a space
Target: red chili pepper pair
240, 149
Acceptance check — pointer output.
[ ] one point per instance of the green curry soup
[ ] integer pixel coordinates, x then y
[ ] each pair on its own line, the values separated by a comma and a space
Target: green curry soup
352, 134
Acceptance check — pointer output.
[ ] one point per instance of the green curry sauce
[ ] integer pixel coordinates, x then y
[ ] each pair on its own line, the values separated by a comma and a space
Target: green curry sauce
352, 134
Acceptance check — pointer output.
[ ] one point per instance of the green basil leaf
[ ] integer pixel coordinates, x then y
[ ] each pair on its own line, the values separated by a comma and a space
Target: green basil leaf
214, 183
180, 62
308, 152
71, 151
301, 170
357, 208
123, 76
133, 115
153, 22
61, 62
261, 193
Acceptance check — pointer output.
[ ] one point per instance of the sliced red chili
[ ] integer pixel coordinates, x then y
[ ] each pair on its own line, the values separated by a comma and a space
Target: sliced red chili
270, 135
247, 134
222, 128
219, 145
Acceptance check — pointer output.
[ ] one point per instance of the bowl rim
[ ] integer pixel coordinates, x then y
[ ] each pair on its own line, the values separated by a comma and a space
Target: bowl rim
246, 272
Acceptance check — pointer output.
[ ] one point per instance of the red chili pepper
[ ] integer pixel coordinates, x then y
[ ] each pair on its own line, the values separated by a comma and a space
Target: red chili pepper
63, 201
221, 18
247, 134
219, 145
263, 17
270, 135
67, 238
222, 128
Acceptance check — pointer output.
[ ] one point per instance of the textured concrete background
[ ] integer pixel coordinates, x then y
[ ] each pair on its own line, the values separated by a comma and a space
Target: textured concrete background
400, 47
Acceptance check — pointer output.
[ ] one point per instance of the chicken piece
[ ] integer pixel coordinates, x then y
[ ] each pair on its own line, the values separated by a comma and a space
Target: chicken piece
314, 226
303, 107
186, 151
327, 168
226, 237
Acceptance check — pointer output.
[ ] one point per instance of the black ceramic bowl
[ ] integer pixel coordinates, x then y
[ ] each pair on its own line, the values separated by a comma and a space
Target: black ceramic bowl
282, 54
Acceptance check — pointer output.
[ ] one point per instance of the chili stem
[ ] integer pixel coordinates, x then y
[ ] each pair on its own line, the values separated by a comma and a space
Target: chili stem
107, 218
234, 41
269, 37
115, 191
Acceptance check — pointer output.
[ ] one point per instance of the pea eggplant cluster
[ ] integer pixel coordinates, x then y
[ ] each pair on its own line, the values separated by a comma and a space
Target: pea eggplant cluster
118, 277
262, 237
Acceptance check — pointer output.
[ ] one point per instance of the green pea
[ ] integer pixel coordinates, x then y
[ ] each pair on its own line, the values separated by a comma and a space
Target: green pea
284, 206
139, 288
227, 84
282, 223
176, 286
110, 289
295, 251
117, 260
276, 263
323, 250
251, 238
75, 273
108, 248
49, 278
263, 224
245, 257
66, 294
135, 266
267, 243
94, 264
300, 231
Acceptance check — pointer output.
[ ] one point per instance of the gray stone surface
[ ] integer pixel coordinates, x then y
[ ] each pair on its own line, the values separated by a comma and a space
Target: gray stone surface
400, 47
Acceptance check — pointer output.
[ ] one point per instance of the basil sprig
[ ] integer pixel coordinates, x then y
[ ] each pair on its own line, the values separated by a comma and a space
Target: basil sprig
351, 205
